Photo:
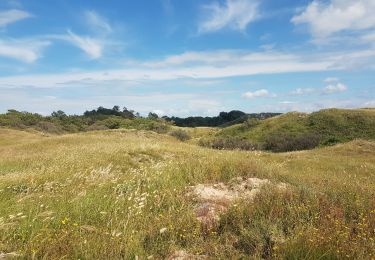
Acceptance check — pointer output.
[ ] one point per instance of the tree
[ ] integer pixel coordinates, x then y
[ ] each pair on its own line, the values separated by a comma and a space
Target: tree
152, 115
58, 114
127, 113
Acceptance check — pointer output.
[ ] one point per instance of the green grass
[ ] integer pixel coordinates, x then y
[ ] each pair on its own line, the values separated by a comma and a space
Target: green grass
107, 194
332, 125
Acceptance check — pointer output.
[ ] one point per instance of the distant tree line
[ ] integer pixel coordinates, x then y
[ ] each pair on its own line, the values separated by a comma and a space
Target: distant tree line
115, 111
222, 120
98, 119
112, 118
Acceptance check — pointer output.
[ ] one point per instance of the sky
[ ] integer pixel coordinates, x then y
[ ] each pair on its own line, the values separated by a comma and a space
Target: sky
186, 57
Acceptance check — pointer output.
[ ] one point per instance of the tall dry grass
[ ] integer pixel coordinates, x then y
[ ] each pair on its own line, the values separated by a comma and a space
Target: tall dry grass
121, 194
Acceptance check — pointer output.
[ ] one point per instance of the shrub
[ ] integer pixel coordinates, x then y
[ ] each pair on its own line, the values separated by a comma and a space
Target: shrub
283, 142
49, 127
180, 135
97, 127
159, 127
228, 143
112, 123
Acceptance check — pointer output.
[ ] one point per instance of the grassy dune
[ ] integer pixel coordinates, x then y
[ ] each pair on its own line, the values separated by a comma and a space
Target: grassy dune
108, 194
332, 125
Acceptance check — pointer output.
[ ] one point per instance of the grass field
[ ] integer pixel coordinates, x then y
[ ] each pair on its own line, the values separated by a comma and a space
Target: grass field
123, 194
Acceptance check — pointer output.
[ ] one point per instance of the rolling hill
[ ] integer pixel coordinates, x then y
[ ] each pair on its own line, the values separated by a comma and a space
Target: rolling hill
127, 194
326, 127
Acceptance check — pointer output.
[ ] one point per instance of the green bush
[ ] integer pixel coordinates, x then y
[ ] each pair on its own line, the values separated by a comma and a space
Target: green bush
158, 126
112, 123
284, 142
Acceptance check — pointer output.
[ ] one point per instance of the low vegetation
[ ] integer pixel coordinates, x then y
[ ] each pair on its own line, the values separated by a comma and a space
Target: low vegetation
284, 142
125, 191
125, 194
228, 143
180, 135
264, 131
299, 131
99, 119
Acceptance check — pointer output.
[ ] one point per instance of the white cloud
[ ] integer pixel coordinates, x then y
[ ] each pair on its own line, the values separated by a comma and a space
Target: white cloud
331, 80
27, 51
179, 104
97, 23
12, 16
315, 105
333, 85
302, 91
288, 102
334, 88
222, 58
159, 112
92, 47
258, 93
233, 14
206, 65
326, 19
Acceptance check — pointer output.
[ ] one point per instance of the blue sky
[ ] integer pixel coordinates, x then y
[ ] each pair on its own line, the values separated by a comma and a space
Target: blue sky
186, 57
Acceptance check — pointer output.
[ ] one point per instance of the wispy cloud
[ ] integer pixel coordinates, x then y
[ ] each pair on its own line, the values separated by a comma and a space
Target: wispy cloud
92, 47
100, 37
222, 58
257, 93
97, 23
233, 14
288, 102
302, 91
25, 50
212, 66
331, 80
337, 16
12, 16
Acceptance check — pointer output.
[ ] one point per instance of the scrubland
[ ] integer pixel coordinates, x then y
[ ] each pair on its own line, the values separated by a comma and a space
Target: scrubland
122, 194
295, 131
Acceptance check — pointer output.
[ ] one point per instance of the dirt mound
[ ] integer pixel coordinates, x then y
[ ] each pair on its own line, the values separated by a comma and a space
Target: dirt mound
214, 199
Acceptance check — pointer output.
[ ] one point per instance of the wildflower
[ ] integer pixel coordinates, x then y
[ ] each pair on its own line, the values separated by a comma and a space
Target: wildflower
65, 221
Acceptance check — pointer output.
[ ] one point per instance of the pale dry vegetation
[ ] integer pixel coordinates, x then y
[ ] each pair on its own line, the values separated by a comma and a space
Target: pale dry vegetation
125, 193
